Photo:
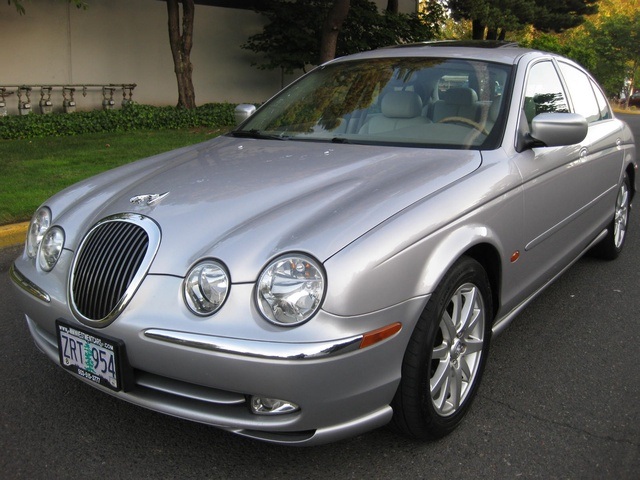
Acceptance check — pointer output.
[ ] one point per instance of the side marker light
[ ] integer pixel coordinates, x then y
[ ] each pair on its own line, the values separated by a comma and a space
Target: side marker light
375, 336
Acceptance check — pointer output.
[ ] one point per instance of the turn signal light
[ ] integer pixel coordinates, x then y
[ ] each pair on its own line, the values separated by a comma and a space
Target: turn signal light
375, 336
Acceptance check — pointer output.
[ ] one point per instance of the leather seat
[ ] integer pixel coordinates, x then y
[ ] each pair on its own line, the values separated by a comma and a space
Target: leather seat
456, 102
399, 110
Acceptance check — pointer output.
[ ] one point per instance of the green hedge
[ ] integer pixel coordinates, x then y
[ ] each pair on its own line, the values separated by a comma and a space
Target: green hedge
131, 117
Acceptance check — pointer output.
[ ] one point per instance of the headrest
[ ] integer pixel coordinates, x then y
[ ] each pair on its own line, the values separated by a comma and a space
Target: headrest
404, 104
460, 96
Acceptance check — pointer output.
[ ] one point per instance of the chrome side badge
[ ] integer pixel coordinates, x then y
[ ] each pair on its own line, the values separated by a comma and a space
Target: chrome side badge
148, 199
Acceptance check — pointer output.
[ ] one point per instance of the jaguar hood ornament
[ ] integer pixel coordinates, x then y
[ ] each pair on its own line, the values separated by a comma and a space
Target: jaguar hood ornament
148, 199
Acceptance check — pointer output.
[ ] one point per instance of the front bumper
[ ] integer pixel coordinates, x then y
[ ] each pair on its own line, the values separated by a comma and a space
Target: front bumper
205, 372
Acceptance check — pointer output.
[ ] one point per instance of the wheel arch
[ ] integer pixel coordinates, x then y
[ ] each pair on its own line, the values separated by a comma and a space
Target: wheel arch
487, 255
479, 242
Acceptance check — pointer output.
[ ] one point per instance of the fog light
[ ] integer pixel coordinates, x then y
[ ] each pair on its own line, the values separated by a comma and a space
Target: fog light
272, 406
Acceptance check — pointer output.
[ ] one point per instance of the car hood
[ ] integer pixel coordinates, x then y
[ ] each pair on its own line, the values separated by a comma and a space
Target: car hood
244, 201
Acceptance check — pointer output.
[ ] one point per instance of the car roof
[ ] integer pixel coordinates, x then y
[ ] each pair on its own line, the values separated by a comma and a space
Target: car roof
487, 50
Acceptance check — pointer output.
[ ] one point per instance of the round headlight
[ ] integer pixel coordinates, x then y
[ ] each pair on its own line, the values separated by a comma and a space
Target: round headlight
40, 223
50, 248
290, 289
206, 288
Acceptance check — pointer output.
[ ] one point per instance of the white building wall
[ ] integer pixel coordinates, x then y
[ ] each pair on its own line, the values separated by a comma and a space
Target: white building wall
127, 41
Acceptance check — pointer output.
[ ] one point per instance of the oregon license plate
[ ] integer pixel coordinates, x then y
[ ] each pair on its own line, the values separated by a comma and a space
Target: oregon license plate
88, 355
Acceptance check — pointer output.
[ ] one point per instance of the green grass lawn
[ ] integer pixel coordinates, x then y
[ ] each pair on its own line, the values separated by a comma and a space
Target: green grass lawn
33, 170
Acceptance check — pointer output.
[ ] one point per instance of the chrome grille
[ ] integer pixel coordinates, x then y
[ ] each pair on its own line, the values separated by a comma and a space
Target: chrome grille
109, 266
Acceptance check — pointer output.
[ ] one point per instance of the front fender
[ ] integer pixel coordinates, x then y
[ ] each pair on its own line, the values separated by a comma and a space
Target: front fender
413, 272
406, 259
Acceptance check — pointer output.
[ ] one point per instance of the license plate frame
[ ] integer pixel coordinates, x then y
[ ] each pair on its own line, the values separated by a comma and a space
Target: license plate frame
94, 357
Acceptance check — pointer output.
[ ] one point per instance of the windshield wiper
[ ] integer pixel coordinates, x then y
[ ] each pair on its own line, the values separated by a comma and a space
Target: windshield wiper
255, 133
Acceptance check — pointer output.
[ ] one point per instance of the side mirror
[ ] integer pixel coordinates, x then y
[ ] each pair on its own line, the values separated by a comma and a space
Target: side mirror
552, 130
243, 111
559, 129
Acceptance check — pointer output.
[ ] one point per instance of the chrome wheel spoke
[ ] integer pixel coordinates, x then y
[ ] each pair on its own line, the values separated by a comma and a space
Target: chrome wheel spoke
468, 314
473, 345
439, 378
441, 352
448, 325
440, 388
455, 389
466, 367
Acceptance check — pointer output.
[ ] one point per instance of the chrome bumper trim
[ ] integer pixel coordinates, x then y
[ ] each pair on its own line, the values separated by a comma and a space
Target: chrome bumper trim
258, 349
352, 428
27, 285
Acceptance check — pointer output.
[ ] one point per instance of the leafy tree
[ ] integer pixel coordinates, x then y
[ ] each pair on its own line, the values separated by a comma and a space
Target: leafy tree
611, 7
497, 17
291, 40
606, 45
616, 43
560, 15
578, 46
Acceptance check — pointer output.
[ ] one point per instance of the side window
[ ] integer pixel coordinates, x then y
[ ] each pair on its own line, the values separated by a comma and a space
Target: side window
584, 100
605, 109
544, 92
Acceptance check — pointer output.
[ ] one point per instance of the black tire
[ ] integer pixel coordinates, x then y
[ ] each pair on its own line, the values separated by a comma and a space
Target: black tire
611, 246
432, 354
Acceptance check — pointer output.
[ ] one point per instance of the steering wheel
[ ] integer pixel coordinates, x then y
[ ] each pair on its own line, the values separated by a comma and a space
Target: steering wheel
466, 121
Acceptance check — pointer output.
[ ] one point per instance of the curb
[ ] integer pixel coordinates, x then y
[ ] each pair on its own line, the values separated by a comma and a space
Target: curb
11, 235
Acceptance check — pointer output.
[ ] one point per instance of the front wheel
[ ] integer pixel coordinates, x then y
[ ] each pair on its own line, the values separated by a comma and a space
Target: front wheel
443, 364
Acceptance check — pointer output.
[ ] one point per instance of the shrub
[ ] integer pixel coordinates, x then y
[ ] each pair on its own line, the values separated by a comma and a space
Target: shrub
130, 117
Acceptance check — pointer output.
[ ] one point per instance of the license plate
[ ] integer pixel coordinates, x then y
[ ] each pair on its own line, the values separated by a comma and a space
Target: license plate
88, 355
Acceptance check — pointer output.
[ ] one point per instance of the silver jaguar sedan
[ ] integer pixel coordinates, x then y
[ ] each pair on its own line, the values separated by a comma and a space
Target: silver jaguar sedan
340, 260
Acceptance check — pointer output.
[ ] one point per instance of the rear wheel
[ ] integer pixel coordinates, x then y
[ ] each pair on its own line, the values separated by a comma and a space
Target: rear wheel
611, 246
446, 355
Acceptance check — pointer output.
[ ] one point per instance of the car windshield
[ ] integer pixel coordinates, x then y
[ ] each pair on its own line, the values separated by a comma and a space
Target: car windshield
423, 102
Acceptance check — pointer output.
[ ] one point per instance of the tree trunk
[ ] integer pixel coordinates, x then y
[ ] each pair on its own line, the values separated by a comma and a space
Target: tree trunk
478, 30
331, 28
392, 6
181, 41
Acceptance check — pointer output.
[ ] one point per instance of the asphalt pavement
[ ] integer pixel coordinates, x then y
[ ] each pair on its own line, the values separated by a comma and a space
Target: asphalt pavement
560, 398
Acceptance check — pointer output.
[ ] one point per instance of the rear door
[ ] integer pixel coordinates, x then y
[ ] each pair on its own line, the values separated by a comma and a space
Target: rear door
601, 148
